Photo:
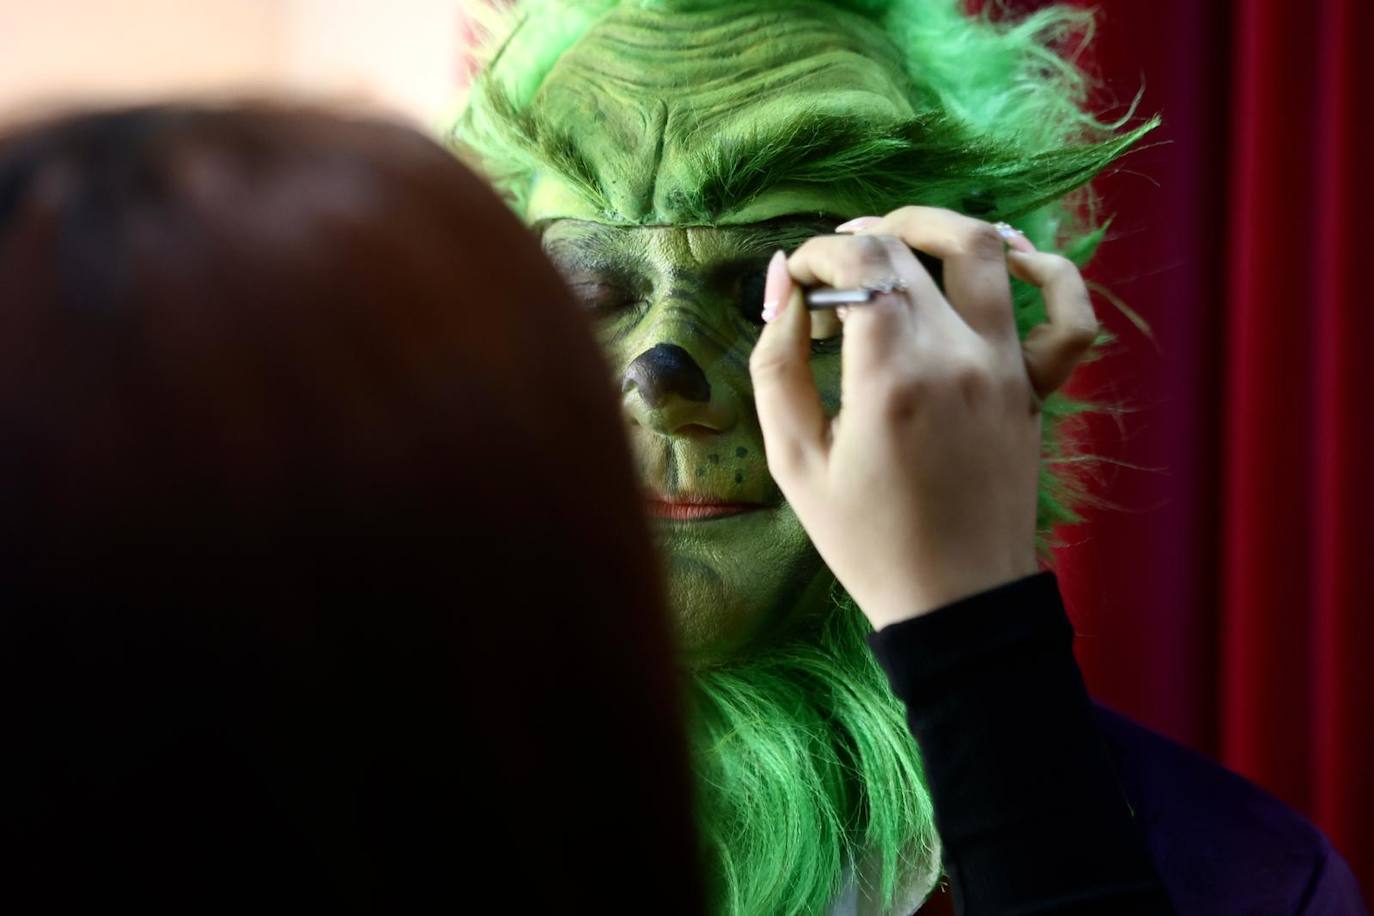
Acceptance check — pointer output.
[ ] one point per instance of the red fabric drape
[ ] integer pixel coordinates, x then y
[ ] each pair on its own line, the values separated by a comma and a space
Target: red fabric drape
1226, 597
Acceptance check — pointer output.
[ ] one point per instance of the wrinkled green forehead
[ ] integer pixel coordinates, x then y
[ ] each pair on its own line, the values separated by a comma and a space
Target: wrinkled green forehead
661, 101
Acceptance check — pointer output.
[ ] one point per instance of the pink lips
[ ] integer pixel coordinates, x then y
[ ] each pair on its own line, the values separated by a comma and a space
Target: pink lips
681, 508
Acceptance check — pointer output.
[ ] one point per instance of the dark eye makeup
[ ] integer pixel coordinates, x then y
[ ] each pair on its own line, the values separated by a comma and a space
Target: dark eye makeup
746, 290
603, 295
746, 283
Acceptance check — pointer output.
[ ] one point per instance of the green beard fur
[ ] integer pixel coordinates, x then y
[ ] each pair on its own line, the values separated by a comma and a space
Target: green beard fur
804, 767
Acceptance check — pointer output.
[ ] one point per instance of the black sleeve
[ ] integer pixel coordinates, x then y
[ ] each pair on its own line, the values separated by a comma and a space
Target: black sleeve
1026, 800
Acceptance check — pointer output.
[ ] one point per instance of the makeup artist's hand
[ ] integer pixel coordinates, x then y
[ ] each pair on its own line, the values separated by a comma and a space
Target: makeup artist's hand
922, 490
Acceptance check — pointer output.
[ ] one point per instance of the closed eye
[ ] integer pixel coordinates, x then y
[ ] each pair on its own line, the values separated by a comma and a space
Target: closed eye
603, 298
602, 289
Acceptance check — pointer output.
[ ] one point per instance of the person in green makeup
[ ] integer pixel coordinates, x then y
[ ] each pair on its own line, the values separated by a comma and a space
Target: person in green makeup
663, 152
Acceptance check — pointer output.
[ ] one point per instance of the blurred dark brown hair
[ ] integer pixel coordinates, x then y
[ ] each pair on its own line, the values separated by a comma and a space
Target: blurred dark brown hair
324, 581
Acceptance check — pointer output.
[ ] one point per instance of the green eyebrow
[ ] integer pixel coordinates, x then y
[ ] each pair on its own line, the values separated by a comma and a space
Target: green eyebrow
784, 232
871, 168
776, 232
812, 148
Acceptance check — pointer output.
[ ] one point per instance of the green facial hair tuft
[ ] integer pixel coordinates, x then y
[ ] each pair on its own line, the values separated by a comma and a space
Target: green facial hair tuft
718, 113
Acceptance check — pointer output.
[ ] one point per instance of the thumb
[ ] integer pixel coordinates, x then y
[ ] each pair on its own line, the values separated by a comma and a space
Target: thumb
789, 406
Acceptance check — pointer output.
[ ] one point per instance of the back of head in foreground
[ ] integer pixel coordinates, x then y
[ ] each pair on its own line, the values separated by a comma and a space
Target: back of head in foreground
663, 150
301, 601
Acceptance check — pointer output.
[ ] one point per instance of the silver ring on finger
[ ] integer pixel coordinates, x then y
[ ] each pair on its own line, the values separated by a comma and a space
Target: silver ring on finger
886, 286
828, 298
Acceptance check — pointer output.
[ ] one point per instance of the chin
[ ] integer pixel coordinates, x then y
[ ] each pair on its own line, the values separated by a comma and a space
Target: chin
714, 634
733, 584
717, 631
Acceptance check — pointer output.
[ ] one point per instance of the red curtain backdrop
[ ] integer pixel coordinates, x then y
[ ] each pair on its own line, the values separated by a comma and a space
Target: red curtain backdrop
1226, 597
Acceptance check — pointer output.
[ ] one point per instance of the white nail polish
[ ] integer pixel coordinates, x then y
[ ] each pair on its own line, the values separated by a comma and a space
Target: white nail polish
854, 225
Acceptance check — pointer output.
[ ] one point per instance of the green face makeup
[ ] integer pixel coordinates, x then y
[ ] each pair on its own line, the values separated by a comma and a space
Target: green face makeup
670, 261
678, 314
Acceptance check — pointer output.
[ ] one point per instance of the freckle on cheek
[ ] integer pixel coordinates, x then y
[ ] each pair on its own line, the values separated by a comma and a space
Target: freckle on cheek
714, 459
741, 452
739, 478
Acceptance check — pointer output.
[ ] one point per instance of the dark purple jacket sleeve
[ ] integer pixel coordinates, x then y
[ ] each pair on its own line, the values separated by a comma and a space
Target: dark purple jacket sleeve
1048, 803
1223, 846
1029, 807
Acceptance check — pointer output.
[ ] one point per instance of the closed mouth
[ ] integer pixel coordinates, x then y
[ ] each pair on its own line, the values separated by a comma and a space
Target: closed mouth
687, 509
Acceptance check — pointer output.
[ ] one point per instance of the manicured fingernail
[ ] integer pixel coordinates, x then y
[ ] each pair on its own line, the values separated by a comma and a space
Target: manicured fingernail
1014, 237
776, 287
854, 225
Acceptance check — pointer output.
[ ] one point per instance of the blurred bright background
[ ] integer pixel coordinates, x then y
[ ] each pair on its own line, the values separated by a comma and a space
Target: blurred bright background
406, 58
